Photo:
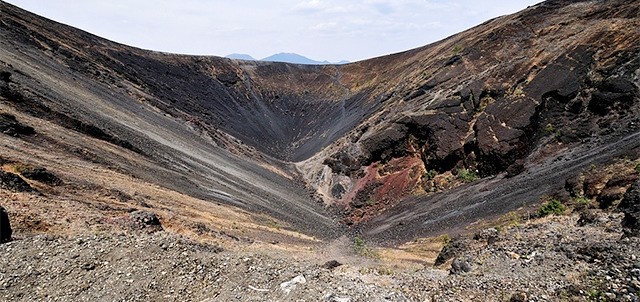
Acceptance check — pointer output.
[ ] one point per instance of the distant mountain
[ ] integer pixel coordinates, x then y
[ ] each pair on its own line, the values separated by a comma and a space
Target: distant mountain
296, 59
293, 58
240, 56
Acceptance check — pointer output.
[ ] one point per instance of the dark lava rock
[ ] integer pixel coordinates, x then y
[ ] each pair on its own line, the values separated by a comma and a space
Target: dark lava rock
5, 76
13, 183
630, 206
519, 297
145, 218
331, 264
516, 168
343, 163
459, 266
612, 94
42, 175
228, 78
89, 266
607, 197
455, 248
9, 125
489, 235
573, 185
603, 252
337, 191
502, 135
386, 143
5, 226
587, 218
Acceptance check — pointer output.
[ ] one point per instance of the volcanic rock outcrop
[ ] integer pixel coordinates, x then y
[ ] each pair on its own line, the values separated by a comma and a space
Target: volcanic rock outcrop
513, 106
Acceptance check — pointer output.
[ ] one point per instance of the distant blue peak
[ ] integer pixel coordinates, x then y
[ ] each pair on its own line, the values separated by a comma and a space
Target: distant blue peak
240, 56
293, 58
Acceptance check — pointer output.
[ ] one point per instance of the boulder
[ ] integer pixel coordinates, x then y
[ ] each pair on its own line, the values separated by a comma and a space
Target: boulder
630, 206
331, 264
5, 226
453, 249
145, 218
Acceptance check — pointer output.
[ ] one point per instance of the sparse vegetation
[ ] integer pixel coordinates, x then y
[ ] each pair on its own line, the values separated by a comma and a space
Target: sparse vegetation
21, 167
370, 201
596, 295
362, 249
484, 102
549, 128
457, 49
637, 168
518, 93
582, 201
382, 271
553, 206
431, 174
467, 175
445, 239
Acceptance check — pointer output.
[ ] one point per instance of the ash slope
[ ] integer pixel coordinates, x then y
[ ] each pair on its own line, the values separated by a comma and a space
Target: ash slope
381, 139
98, 89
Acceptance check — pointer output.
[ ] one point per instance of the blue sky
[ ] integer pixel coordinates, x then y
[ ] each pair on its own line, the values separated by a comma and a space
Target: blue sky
320, 29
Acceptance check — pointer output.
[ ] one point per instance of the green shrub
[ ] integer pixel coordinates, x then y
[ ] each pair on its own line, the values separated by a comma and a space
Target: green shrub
549, 128
445, 239
362, 249
582, 200
552, 206
431, 174
467, 175
457, 49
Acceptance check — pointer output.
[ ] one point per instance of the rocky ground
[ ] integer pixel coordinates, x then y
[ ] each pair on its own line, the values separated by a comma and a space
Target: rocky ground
574, 257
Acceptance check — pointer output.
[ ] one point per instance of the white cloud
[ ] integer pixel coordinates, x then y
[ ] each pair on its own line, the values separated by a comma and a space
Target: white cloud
321, 29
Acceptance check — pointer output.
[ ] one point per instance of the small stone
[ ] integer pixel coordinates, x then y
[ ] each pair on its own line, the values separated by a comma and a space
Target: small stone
331, 297
88, 266
610, 296
518, 297
290, 285
514, 256
460, 266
